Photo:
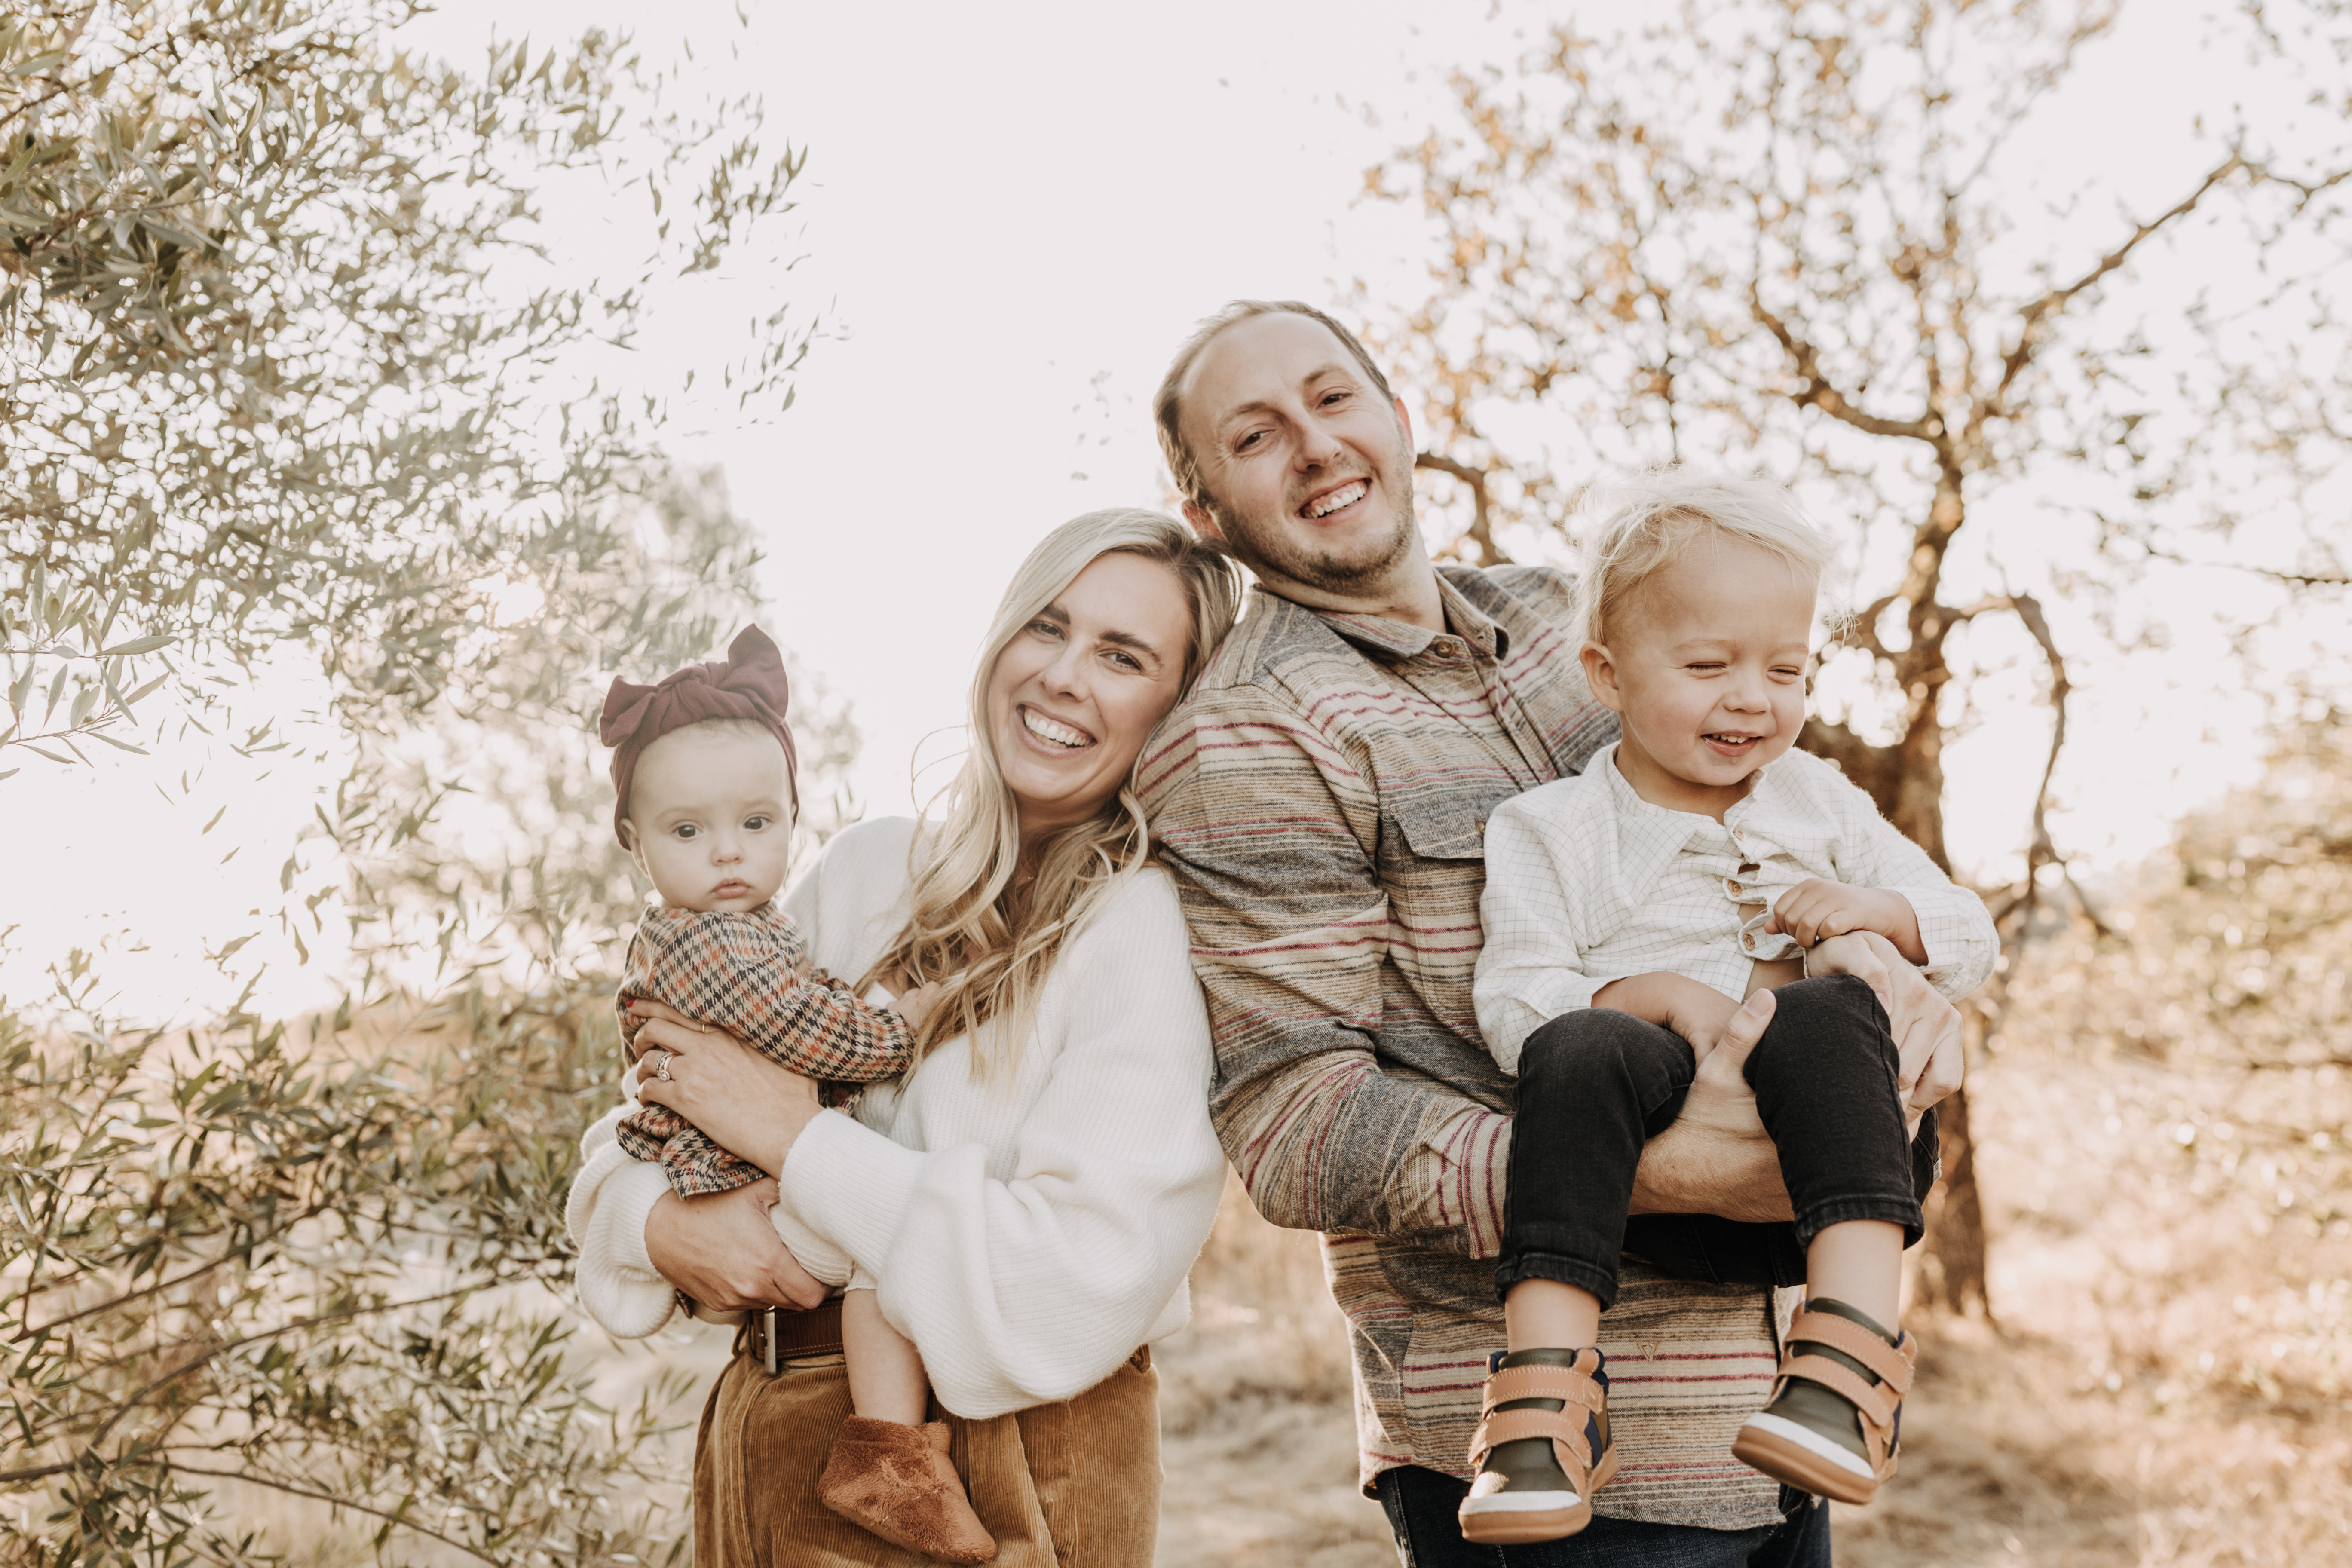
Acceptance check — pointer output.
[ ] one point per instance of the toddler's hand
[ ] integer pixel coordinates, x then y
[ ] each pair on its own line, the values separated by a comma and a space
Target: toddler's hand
1703, 1019
1815, 910
914, 1004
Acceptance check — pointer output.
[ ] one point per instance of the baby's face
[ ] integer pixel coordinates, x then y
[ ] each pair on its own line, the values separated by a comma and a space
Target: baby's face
1706, 666
710, 814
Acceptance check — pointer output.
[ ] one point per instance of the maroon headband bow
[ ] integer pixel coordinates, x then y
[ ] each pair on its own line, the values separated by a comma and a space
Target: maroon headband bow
750, 683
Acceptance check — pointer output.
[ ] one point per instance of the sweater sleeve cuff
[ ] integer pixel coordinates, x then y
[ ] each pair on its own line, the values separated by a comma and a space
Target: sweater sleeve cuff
849, 1183
619, 1287
633, 1194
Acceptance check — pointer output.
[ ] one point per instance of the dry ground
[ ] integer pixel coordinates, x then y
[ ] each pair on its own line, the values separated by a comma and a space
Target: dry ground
2168, 1385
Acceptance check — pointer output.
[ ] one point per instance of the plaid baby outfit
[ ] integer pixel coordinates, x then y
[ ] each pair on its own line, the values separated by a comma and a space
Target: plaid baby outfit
748, 974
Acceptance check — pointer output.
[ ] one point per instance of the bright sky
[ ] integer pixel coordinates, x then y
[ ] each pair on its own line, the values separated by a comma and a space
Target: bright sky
1010, 217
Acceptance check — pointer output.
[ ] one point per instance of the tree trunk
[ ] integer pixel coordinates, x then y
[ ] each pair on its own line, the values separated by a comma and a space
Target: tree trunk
1905, 780
1952, 1264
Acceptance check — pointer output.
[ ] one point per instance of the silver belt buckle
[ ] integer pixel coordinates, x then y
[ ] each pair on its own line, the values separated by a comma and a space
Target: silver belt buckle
765, 1328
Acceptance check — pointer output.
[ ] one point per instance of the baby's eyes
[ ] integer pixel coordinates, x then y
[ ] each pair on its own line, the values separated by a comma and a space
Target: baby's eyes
754, 823
684, 831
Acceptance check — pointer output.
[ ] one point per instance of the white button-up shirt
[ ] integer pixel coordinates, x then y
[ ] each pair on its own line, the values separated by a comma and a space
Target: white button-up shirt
1586, 883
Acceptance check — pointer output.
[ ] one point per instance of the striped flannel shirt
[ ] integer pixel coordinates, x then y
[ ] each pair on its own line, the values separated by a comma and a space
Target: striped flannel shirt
1321, 800
1587, 882
749, 975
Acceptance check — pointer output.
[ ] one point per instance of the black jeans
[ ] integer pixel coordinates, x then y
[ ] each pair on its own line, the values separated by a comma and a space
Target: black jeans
1421, 1505
1595, 1085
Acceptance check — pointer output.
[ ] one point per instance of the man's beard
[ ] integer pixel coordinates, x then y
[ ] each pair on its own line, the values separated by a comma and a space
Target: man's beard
1323, 570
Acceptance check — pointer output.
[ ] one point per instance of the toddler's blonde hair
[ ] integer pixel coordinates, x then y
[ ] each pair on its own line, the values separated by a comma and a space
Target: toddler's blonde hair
1643, 522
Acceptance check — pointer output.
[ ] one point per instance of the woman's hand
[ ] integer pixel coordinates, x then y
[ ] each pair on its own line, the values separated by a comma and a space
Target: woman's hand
742, 1101
723, 1251
1926, 1028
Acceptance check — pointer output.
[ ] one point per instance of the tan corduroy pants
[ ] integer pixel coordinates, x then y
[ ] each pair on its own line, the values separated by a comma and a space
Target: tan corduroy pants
1070, 1485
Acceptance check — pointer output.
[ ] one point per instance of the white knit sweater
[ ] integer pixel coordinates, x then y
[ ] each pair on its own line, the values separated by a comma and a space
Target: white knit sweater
1028, 1229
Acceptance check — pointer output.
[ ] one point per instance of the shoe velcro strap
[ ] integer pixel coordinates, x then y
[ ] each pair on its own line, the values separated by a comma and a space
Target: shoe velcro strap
1543, 1383
1875, 1400
1891, 1363
1565, 1432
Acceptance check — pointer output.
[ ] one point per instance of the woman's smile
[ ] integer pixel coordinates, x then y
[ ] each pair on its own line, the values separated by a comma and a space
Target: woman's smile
1055, 735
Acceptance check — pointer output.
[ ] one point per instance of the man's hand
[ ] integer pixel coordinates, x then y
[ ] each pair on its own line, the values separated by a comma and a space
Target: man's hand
1814, 911
1926, 1028
1716, 1157
724, 1251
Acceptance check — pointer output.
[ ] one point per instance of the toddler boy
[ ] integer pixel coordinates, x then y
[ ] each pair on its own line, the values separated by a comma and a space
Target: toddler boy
1630, 913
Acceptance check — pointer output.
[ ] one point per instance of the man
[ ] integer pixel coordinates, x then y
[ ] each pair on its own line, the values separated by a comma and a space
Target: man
1321, 799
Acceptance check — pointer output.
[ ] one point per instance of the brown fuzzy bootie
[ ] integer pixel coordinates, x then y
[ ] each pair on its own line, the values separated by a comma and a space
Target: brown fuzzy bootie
895, 1481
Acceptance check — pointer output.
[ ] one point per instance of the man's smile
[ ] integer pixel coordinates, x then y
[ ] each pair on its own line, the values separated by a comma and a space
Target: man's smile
1337, 498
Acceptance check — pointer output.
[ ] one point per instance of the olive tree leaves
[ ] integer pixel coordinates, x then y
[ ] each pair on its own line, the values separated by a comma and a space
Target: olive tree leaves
284, 370
271, 378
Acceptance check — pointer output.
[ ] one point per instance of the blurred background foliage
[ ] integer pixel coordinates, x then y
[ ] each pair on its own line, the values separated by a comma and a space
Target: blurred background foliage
280, 387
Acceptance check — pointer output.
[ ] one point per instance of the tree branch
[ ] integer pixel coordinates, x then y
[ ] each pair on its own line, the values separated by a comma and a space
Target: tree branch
1818, 394
2292, 579
1480, 531
2039, 851
337, 1499
89, 1449
201, 1269
2054, 302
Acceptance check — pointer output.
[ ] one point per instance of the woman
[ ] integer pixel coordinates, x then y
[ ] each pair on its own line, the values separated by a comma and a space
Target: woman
1032, 1195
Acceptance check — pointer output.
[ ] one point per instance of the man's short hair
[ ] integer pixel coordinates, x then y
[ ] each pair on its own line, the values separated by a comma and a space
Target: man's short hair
1165, 403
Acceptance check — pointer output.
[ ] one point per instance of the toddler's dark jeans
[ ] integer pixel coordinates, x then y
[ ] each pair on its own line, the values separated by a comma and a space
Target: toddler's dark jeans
1595, 1085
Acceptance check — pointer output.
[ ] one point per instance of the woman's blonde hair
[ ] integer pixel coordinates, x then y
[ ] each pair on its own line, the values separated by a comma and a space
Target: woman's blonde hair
976, 924
1643, 522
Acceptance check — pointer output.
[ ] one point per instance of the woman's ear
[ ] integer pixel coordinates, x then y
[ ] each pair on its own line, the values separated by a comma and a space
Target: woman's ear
1600, 675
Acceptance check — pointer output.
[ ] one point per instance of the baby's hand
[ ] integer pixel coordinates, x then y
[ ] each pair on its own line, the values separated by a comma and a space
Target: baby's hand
1815, 910
914, 1004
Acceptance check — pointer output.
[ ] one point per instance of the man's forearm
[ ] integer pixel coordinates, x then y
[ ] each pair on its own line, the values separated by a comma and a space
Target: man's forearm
1332, 1143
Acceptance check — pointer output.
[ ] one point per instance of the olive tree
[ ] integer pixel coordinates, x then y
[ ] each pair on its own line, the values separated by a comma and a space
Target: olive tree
1803, 235
280, 351
286, 375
